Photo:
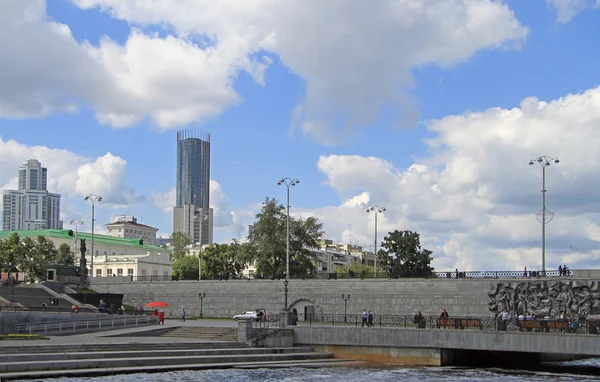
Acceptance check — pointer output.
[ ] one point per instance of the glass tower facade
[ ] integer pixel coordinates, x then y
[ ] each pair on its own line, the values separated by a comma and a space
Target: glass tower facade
193, 170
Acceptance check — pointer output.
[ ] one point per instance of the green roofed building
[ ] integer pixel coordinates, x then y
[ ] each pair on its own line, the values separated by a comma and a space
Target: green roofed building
114, 256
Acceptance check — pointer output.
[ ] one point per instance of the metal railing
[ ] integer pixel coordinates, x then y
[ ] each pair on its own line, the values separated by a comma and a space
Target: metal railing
364, 275
271, 322
458, 323
48, 309
114, 322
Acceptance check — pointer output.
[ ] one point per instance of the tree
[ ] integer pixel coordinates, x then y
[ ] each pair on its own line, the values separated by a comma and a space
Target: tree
223, 260
186, 268
179, 242
358, 270
65, 255
402, 255
267, 242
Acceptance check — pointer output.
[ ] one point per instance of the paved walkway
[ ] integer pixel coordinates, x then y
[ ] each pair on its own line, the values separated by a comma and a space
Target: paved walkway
122, 335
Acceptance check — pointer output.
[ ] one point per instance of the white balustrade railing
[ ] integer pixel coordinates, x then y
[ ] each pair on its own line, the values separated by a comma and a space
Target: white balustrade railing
72, 326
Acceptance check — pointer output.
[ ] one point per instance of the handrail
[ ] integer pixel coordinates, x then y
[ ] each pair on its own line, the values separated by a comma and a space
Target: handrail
369, 275
73, 325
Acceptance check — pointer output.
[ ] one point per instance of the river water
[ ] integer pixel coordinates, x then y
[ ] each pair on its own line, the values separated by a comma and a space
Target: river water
580, 371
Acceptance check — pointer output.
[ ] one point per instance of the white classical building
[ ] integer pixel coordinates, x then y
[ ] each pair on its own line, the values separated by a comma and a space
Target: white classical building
112, 255
127, 227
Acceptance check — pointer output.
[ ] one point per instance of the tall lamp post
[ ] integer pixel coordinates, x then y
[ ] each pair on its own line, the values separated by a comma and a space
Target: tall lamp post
289, 182
201, 297
285, 291
545, 216
345, 298
93, 198
77, 223
376, 210
202, 217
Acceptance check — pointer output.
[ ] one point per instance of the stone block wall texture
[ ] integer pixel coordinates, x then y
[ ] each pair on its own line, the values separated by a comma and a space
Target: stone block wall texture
464, 297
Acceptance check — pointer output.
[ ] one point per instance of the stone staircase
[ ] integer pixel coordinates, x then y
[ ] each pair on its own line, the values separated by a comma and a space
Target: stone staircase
48, 361
204, 333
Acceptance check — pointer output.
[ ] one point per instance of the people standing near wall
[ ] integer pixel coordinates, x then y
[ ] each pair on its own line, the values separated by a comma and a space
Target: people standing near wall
183, 315
364, 319
370, 320
444, 314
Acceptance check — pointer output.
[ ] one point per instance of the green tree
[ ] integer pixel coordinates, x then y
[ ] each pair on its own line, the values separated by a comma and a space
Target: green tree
65, 255
29, 261
186, 268
10, 252
223, 260
402, 255
179, 242
267, 242
359, 270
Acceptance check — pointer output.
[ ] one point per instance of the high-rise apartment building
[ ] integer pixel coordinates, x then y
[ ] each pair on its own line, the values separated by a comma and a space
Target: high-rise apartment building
31, 206
192, 213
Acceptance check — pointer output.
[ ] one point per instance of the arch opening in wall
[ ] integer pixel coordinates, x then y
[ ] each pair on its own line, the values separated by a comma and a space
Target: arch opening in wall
304, 309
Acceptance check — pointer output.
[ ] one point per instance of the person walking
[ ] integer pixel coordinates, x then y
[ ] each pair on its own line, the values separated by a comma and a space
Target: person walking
370, 320
364, 319
183, 315
560, 270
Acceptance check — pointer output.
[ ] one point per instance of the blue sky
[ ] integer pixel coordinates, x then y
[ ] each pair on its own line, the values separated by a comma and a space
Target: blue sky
368, 146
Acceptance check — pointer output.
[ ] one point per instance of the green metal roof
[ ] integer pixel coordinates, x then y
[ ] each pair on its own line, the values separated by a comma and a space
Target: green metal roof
64, 234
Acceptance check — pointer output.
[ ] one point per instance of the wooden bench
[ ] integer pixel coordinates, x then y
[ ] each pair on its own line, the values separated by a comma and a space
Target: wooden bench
469, 322
445, 322
559, 325
528, 325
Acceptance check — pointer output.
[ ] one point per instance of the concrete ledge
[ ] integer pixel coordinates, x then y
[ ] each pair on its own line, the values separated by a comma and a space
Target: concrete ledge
580, 344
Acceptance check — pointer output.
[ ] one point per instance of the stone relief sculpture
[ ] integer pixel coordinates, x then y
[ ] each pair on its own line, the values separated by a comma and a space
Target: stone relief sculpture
577, 299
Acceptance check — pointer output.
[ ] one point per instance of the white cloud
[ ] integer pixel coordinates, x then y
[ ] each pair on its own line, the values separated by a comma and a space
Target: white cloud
70, 174
567, 9
356, 58
474, 199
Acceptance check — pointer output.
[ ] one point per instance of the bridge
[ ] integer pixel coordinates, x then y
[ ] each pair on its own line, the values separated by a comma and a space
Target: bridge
447, 347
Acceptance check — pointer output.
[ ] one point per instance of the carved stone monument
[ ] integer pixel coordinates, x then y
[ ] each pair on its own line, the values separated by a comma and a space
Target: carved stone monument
84, 282
548, 298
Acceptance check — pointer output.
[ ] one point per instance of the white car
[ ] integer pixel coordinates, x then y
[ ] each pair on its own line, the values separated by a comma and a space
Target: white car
247, 316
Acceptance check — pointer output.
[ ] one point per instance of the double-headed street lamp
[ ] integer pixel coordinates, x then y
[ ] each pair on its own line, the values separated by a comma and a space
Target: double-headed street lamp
545, 216
345, 298
93, 198
289, 182
376, 210
77, 223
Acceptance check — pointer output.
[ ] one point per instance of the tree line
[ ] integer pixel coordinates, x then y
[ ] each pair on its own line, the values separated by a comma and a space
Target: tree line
400, 254
29, 256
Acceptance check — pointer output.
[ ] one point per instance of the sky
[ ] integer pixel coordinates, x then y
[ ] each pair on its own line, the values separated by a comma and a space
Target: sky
431, 109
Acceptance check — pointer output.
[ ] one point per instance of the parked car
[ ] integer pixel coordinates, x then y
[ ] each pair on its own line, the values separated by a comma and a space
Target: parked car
255, 315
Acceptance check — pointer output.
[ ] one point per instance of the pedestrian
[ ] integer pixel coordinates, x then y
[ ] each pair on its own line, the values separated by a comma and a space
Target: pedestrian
183, 316
364, 319
370, 320
525, 273
560, 270
444, 314
44, 306
565, 270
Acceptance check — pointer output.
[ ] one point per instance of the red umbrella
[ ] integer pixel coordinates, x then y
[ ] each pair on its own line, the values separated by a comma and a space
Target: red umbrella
157, 304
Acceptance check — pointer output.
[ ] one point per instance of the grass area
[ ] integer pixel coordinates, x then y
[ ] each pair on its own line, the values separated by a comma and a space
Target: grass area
22, 337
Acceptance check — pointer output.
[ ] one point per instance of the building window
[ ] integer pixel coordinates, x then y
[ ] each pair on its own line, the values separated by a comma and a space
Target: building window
120, 272
109, 272
130, 272
98, 272
143, 272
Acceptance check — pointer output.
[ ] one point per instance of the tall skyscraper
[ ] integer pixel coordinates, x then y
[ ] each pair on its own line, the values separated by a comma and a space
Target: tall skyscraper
192, 213
31, 206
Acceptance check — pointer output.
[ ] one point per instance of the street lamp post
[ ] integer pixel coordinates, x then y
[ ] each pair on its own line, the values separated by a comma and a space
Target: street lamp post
545, 216
285, 291
202, 217
345, 298
77, 223
288, 182
201, 297
376, 210
93, 198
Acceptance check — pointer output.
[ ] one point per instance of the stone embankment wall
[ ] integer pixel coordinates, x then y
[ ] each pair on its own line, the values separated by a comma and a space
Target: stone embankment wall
464, 297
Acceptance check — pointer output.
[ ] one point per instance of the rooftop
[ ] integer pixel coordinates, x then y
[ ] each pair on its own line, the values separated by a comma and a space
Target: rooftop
64, 234
129, 223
